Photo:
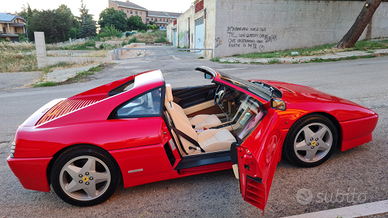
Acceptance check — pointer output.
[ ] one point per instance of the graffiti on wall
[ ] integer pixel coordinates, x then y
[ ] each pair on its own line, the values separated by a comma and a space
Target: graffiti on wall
184, 39
247, 37
218, 42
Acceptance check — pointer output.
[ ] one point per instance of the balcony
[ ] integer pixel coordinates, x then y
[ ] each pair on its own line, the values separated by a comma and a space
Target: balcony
11, 34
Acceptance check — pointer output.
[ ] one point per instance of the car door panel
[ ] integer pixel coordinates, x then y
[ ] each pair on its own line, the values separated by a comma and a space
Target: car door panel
257, 158
189, 96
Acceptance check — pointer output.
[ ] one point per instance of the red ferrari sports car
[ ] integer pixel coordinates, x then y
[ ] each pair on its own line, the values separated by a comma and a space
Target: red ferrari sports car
140, 130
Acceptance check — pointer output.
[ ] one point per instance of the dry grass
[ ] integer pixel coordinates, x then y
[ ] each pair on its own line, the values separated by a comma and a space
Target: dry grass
17, 46
148, 37
99, 53
63, 65
16, 62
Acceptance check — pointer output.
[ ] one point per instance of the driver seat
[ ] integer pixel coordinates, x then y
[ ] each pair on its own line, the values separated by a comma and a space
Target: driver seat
197, 122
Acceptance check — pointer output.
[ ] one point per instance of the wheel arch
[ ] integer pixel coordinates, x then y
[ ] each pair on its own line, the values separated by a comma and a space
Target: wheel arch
331, 118
68, 148
336, 124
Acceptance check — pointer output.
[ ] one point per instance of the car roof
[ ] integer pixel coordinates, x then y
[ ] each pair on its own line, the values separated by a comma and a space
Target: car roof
149, 78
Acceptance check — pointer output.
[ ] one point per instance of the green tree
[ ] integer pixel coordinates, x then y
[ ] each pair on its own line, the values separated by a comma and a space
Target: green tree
27, 14
74, 33
152, 27
84, 12
88, 26
110, 16
359, 25
55, 24
135, 23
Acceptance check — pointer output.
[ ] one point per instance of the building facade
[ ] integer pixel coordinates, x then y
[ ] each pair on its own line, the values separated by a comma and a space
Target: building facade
232, 27
130, 9
160, 18
11, 26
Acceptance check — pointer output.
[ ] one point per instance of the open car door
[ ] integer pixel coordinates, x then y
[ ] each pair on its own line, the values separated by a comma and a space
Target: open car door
259, 138
255, 161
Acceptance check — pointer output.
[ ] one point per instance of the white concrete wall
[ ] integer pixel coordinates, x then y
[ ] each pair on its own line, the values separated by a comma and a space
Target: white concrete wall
40, 45
246, 26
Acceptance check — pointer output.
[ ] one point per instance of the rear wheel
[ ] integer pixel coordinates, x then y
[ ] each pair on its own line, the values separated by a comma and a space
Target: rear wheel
310, 141
84, 176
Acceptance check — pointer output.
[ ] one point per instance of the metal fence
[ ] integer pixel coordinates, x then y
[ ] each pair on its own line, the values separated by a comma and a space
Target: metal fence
153, 52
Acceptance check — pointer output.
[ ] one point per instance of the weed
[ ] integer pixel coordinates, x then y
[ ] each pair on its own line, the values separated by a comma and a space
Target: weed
46, 84
216, 59
274, 61
349, 58
365, 45
79, 77
161, 40
201, 57
133, 40
368, 56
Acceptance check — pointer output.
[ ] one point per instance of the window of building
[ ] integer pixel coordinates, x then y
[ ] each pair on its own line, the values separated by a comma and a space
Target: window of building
127, 11
135, 12
131, 11
122, 10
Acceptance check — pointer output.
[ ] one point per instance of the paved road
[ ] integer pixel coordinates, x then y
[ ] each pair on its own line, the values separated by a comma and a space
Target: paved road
360, 172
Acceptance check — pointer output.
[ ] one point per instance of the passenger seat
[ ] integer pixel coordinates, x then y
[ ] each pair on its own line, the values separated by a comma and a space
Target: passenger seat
211, 140
198, 122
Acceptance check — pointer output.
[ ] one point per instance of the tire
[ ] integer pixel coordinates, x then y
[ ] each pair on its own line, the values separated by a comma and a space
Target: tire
85, 176
310, 141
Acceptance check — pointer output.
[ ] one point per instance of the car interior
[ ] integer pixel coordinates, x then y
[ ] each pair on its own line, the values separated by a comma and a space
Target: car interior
212, 121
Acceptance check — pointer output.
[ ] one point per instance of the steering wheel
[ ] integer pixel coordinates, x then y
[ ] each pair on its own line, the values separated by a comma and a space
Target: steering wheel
219, 95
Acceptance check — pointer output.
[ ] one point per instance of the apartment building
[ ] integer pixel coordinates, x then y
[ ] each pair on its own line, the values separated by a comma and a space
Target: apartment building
160, 18
130, 9
11, 26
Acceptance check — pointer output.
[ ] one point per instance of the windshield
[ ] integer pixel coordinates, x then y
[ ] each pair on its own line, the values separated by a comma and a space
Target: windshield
262, 90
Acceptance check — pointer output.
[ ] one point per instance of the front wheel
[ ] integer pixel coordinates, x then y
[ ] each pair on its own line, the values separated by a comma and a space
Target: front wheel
310, 141
84, 176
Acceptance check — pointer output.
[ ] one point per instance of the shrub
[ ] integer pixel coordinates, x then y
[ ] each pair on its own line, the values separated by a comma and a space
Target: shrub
109, 31
133, 40
161, 40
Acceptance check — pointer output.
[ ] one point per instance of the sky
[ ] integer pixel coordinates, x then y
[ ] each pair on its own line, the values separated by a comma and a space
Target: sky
95, 6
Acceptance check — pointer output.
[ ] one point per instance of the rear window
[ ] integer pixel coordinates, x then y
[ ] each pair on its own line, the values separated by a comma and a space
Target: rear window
123, 88
145, 105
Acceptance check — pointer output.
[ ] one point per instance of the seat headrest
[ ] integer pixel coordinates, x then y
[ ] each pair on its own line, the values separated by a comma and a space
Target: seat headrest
169, 96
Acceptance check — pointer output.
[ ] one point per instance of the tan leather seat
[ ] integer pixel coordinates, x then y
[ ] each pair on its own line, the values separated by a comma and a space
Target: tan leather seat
209, 140
200, 121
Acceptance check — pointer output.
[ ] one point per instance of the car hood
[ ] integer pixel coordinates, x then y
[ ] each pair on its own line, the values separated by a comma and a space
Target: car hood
297, 93
312, 100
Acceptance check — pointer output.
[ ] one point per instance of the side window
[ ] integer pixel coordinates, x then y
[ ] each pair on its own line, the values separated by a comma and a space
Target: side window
145, 105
